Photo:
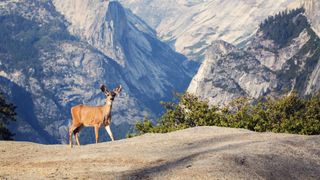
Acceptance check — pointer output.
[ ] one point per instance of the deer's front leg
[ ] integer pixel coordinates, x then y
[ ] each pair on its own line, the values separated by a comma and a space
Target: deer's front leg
96, 131
109, 132
108, 129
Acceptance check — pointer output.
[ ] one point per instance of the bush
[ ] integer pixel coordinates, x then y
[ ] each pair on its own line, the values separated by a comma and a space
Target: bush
287, 114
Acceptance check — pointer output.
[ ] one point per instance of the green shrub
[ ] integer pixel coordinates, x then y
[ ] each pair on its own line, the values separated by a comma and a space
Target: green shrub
287, 114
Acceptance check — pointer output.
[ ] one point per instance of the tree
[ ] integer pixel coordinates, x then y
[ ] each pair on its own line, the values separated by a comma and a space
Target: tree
7, 115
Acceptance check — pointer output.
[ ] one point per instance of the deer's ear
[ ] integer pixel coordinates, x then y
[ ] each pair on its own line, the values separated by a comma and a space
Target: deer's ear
118, 89
104, 88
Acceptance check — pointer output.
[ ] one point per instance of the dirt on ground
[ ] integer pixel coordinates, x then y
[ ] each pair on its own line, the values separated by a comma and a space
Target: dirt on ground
196, 153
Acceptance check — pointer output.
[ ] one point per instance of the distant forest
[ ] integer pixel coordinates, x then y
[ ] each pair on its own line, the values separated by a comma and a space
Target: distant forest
285, 26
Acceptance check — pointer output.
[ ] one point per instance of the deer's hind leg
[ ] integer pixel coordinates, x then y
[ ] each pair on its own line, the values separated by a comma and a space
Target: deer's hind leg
76, 134
74, 129
71, 130
75, 124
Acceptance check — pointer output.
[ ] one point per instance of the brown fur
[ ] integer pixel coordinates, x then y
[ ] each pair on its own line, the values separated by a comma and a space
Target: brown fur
96, 116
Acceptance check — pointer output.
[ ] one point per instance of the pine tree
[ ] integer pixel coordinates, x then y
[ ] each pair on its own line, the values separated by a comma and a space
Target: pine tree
7, 115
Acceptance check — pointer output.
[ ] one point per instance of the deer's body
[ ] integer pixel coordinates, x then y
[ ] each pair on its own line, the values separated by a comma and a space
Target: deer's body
91, 115
96, 116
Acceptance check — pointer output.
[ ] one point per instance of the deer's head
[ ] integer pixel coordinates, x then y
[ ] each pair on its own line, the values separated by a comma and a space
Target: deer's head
110, 95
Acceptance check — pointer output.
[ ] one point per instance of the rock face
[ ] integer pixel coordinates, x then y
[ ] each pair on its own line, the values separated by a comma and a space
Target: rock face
191, 25
313, 12
274, 61
200, 153
229, 72
56, 54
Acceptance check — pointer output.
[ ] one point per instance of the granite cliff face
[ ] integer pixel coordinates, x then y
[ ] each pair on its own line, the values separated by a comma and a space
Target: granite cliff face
56, 54
190, 26
227, 73
276, 60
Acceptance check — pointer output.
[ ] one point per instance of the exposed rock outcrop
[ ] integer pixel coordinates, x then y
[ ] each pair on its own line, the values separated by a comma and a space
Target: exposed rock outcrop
197, 153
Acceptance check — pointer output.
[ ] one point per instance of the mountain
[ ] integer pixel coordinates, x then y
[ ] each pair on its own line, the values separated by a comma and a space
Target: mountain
190, 26
56, 54
283, 55
195, 153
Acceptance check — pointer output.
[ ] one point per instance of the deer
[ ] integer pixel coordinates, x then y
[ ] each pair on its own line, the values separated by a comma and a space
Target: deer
94, 116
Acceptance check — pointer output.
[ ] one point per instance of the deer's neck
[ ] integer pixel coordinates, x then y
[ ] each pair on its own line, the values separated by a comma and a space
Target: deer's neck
109, 103
107, 107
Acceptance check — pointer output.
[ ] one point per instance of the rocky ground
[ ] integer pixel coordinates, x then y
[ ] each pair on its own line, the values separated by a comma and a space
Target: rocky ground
196, 153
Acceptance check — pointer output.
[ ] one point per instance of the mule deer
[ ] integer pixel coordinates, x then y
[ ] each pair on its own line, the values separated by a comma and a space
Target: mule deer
95, 116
